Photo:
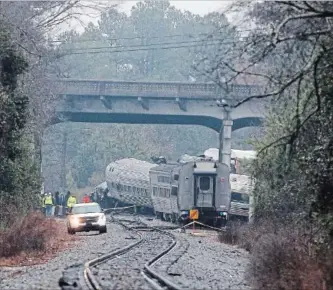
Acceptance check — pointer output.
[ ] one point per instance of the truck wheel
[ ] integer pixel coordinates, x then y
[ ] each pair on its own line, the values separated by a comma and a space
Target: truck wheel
102, 230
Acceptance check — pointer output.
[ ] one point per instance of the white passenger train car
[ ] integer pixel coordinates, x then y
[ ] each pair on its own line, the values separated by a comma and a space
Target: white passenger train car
164, 191
241, 191
128, 181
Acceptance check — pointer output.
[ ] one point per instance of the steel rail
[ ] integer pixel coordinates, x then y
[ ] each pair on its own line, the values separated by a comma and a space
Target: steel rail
150, 275
156, 280
90, 280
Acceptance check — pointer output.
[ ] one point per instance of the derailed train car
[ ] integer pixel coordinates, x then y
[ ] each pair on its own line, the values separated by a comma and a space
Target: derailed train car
241, 197
128, 181
172, 190
202, 185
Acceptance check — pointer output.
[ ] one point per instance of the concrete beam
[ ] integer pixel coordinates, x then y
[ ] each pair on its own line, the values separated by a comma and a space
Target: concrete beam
131, 118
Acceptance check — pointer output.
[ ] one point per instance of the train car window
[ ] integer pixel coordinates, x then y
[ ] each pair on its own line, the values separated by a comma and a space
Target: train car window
204, 183
240, 197
163, 179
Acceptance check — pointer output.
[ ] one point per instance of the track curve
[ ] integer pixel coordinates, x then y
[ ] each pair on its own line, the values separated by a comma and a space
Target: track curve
137, 259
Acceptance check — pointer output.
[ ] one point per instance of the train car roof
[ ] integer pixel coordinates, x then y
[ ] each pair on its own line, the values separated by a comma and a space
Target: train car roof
131, 164
241, 183
129, 168
165, 167
205, 167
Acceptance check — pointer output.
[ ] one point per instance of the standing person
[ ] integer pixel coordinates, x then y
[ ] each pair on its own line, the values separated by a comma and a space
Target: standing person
48, 204
61, 204
68, 194
71, 201
56, 203
42, 202
86, 198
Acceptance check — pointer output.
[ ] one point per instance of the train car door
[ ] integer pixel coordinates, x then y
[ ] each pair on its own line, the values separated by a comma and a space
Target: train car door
204, 187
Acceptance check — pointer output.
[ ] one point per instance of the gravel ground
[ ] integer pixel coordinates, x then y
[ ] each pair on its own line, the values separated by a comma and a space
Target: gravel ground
47, 276
202, 262
124, 271
197, 262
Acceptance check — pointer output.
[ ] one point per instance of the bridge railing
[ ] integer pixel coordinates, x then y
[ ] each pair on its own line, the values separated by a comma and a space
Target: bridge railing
152, 89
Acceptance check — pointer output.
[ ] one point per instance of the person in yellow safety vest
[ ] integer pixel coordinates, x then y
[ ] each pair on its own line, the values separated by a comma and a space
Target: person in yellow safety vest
71, 201
48, 201
42, 202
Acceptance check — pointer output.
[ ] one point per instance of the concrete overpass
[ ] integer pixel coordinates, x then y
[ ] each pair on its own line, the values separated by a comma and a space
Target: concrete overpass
107, 101
100, 101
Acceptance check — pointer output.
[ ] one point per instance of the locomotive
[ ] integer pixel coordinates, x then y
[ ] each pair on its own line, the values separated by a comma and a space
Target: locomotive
172, 190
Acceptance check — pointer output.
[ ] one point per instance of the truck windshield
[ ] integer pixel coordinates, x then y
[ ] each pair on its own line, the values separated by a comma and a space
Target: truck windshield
94, 208
240, 197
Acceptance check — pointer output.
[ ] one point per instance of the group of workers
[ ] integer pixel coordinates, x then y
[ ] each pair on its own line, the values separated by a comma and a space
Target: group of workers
58, 204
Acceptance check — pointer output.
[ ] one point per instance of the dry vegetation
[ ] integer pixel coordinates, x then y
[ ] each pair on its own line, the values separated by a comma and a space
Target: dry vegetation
33, 239
282, 257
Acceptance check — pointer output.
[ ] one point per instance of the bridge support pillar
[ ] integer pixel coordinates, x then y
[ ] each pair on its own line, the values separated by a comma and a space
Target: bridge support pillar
225, 141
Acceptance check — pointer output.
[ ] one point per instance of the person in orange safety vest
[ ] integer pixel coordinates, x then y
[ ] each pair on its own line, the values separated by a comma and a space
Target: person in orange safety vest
86, 198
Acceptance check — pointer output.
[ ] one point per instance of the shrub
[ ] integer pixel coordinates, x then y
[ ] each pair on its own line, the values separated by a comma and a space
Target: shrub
282, 260
30, 233
284, 257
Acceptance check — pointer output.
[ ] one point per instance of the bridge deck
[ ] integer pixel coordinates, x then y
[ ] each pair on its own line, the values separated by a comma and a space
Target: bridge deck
153, 89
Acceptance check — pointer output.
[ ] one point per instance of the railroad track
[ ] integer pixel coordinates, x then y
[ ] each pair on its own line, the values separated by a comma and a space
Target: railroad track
148, 244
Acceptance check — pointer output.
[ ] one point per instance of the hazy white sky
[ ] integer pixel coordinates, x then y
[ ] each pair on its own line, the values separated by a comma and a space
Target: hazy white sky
197, 7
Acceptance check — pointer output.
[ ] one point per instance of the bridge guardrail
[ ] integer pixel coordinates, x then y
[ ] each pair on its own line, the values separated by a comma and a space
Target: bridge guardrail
152, 89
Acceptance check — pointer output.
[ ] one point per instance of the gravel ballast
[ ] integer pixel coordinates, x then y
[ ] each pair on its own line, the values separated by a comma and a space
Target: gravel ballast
124, 271
46, 276
197, 262
200, 261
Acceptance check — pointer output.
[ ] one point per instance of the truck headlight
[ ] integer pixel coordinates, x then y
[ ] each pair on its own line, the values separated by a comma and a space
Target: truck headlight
101, 219
74, 222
